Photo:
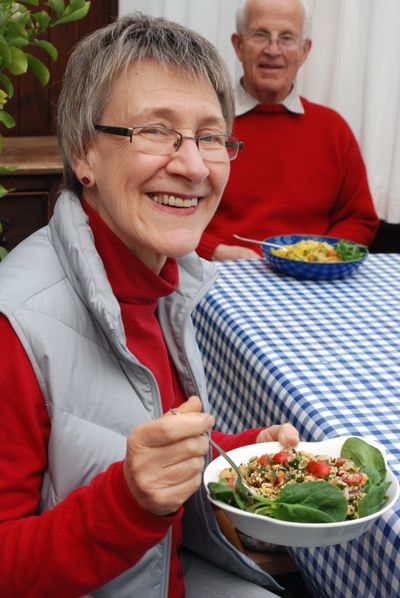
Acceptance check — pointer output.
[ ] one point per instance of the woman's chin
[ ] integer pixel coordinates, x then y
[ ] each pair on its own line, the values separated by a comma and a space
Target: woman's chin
180, 247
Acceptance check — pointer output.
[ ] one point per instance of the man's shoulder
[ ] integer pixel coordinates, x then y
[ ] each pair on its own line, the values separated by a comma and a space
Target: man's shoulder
321, 110
327, 118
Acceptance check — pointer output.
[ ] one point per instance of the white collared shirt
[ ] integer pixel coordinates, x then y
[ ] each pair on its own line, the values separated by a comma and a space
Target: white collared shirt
244, 102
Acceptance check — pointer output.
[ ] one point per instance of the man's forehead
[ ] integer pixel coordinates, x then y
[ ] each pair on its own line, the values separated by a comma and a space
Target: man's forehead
276, 10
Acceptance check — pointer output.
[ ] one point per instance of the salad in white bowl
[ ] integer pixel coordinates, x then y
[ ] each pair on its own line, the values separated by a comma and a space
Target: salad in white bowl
318, 494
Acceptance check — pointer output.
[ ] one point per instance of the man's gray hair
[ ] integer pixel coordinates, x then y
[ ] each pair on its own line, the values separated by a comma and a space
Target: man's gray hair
100, 58
241, 18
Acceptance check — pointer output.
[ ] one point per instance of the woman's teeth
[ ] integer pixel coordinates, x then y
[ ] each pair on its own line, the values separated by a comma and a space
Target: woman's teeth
172, 200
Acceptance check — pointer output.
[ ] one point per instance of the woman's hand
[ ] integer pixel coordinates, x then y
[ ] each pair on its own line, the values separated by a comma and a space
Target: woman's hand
165, 458
234, 252
286, 434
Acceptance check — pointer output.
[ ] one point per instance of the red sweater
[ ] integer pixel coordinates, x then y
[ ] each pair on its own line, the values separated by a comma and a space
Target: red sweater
297, 173
99, 530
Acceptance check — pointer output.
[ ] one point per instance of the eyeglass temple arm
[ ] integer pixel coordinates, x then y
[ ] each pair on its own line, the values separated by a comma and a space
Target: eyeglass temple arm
233, 144
123, 131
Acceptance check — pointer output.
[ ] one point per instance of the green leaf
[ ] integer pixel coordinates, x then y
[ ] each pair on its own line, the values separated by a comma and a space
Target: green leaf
31, 2
74, 5
368, 458
222, 491
47, 47
3, 191
372, 502
6, 169
7, 85
349, 251
57, 5
310, 502
18, 63
77, 15
3, 251
18, 42
3, 98
5, 52
6, 119
18, 28
39, 68
42, 19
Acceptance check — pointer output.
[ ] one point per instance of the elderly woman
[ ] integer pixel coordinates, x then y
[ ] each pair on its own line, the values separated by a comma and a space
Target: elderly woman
95, 472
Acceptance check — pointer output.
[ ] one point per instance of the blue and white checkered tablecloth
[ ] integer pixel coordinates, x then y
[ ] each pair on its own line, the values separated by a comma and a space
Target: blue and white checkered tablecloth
325, 356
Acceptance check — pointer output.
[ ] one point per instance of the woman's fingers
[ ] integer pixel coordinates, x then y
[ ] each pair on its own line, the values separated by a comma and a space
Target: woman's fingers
286, 434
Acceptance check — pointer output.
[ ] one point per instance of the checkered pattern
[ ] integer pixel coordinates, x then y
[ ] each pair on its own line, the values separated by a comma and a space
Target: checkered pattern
325, 356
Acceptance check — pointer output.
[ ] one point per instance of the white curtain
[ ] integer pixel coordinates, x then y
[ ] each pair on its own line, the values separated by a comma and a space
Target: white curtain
354, 67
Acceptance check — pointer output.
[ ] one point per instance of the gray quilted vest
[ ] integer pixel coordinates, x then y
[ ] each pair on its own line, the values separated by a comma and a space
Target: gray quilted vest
54, 291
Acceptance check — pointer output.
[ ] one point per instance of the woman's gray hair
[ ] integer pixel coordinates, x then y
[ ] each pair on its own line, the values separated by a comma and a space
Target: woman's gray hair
99, 59
241, 18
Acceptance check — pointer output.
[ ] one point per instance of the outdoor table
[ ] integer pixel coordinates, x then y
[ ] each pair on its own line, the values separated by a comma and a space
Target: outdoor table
325, 356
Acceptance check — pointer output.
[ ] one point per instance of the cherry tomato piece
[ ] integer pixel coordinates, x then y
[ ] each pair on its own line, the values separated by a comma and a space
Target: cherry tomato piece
282, 457
263, 460
319, 469
352, 478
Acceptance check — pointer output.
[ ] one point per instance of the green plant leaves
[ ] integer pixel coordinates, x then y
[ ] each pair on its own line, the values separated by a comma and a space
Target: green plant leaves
38, 68
20, 28
16, 61
57, 5
79, 11
6, 119
32, 2
42, 18
7, 85
47, 47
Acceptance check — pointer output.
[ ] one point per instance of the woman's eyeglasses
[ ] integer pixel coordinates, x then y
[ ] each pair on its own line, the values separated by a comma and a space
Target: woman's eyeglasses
160, 141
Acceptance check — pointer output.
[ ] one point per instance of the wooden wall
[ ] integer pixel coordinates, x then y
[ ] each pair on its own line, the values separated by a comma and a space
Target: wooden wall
34, 106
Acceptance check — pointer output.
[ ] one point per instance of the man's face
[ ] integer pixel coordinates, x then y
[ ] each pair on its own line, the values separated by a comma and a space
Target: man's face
271, 48
158, 205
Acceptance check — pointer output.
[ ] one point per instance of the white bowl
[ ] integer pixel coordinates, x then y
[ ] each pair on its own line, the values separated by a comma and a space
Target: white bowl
293, 534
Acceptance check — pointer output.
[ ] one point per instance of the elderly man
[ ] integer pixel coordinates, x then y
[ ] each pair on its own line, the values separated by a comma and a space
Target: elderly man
301, 170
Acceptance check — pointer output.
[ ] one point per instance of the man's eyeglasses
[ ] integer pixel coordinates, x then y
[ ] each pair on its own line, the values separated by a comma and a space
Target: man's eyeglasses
262, 39
160, 141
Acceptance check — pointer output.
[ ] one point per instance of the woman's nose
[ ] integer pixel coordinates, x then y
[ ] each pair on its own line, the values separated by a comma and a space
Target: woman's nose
188, 161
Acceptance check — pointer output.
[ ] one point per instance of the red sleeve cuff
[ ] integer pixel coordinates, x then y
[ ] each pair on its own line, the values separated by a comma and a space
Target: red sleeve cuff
232, 441
144, 521
207, 246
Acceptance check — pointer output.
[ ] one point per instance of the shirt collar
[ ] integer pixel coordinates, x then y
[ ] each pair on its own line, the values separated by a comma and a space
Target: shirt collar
244, 102
130, 279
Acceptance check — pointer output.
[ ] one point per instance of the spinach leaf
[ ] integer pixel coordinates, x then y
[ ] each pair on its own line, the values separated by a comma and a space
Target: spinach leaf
223, 492
348, 251
373, 500
310, 502
368, 458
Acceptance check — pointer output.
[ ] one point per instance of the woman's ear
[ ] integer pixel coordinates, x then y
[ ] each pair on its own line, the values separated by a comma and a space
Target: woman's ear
83, 171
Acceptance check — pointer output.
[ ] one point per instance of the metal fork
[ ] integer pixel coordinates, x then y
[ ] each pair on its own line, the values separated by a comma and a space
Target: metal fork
257, 242
241, 484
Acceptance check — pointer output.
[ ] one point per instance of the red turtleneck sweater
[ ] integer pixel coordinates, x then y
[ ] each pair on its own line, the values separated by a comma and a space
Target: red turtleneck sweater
99, 530
297, 173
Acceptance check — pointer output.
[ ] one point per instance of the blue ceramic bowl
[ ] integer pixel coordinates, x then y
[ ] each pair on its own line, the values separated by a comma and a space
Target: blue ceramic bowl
312, 270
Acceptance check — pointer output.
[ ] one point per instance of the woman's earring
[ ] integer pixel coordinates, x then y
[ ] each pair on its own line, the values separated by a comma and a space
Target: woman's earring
85, 180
